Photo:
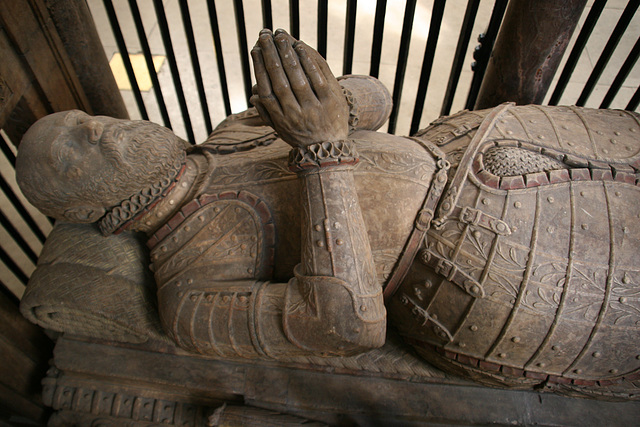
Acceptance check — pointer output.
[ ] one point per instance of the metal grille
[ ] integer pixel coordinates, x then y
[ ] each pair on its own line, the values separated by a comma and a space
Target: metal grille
425, 52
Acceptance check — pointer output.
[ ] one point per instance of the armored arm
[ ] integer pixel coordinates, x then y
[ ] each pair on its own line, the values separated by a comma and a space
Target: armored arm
334, 304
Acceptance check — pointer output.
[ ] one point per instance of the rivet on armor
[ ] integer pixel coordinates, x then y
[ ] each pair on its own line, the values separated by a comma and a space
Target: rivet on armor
216, 209
473, 328
226, 298
571, 143
187, 228
180, 293
541, 364
638, 357
172, 202
441, 334
194, 298
509, 132
254, 239
184, 185
585, 226
242, 299
250, 270
550, 199
201, 218
178, 283
336, 225
541, 137
633, 129
339, 242
600, 132
404, 300
238, 210
469, 262
189, 281
427, 284
502, 355
243, 246
363, 308
163, 249
628, 148
475, 289
625, 279
583, 193
356, 330
234, 238
613, 141
517, 205
514, 229
555, 348
614, 371
618, 194
318, 227
515, 339
550, 229
625, 230
513, 301
531, 121
486, 201
605, 151
446, 206
577, 371
418, 292
596, 354
148, 223
434, 316
623, 299
462, 345
477, 234
320, 243
210, 297
616, 133
175, 238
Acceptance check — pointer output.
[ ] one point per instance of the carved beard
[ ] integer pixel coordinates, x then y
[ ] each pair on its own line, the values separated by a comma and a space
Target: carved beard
150, 155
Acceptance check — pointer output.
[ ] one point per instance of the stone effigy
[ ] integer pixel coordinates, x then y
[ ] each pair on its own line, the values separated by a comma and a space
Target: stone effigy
502, 244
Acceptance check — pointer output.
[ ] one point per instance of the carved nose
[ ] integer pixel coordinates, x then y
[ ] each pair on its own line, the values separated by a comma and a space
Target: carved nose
95, 130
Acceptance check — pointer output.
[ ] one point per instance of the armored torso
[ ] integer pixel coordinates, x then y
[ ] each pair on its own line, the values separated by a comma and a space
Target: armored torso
530, 270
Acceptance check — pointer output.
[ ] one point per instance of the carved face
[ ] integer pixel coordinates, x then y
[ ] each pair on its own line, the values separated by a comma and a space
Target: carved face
74, 166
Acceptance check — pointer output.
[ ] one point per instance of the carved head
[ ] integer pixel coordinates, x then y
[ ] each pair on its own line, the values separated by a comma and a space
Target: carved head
74, 167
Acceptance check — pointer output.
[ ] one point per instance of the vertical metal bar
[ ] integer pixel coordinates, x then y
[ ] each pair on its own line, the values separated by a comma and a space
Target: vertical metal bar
378, 32
222, 74
634, 101
8, 192
576, 51
148, 58
267, 19
622, 75
17, 237
483, 52
463, 44
322, 27
437, 14
13, 267
242, 44
7, 152
117, 33
195, 63
349, 38
613, 41
401, 67
294, 18
175, 74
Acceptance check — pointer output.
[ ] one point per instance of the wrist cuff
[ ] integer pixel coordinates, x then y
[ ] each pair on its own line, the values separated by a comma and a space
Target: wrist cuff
323, 154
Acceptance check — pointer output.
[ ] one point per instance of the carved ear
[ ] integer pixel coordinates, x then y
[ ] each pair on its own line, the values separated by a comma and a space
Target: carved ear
84, 214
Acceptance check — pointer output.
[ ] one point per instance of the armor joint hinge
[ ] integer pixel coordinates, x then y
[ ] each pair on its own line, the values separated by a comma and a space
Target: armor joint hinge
474, 216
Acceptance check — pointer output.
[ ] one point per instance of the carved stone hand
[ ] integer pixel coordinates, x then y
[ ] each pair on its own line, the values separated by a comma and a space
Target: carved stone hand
296, 91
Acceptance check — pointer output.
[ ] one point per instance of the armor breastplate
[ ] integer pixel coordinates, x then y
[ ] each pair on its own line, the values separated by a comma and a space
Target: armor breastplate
532, 268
